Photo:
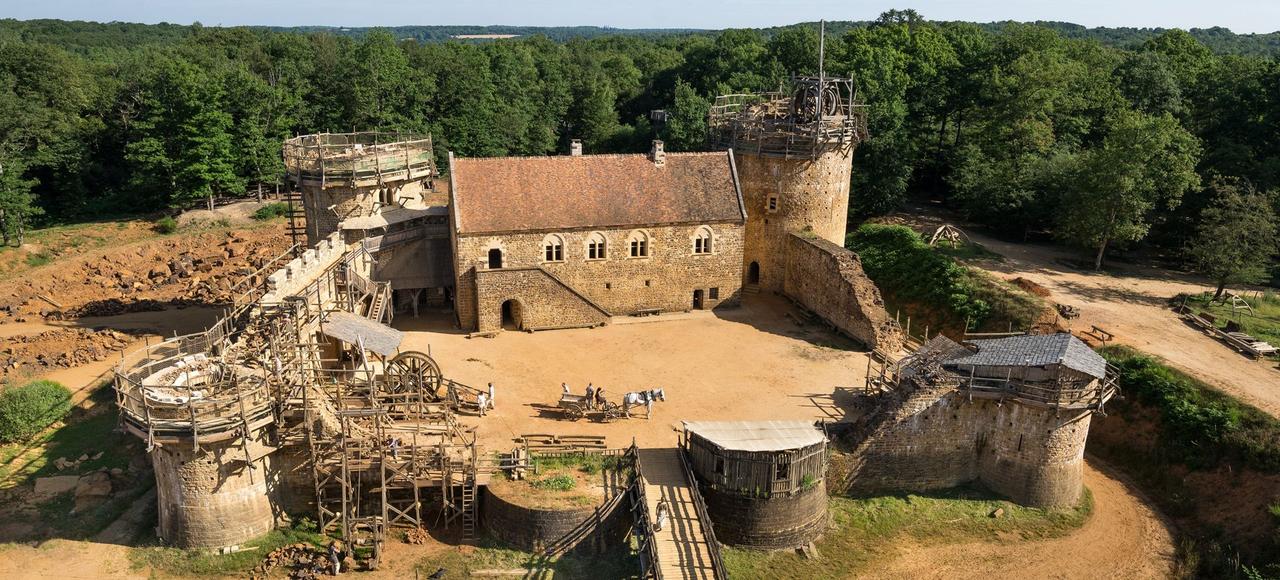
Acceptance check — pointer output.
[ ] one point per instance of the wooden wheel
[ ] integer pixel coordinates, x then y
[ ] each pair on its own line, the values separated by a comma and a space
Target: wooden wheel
804, 103
575, 412
411, 372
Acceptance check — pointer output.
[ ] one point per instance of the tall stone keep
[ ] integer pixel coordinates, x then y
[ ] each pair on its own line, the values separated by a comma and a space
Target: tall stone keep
794, 152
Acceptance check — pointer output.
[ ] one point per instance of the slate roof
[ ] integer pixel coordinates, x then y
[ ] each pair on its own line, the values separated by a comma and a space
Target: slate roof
352, 329
757, 435
1035, 350
505, 194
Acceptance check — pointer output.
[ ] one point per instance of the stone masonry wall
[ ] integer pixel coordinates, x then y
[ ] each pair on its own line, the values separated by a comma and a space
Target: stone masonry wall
537, 529
620, 284
774, 523
810, 195
349, 201
931, 436
542, 301
829, 280
210, 499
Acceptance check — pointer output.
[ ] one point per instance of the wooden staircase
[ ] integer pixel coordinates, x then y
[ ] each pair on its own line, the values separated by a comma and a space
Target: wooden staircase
297, 226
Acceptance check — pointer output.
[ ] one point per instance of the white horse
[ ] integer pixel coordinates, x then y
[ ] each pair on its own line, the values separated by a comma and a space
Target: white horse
637, 398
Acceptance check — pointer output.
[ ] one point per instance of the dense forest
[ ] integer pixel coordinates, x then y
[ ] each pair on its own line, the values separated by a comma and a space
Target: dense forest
1100, 137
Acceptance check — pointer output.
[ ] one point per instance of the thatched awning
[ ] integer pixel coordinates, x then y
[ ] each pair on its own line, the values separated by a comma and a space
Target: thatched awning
376, 337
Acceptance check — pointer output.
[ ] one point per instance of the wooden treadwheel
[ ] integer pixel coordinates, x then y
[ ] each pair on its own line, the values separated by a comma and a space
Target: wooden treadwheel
413, 371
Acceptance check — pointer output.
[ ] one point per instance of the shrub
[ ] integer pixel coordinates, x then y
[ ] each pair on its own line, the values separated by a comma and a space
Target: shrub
25, 411
271, 210
909, 271
37, 260
554, 483
166, 225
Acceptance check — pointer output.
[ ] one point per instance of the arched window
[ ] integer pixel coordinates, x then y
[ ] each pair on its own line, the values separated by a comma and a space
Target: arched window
553, 248
702, 240
597, 246
638, 242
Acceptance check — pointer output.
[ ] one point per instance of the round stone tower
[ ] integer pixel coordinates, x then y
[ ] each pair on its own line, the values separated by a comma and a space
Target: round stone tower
352, 175
794, 156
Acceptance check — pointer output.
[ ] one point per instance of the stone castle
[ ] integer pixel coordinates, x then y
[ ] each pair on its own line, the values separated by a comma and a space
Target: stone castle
284, 404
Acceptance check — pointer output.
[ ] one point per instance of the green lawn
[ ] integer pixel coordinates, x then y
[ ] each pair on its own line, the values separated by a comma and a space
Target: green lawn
82, 433
867, 529
181, 562
618, 562
1264, 323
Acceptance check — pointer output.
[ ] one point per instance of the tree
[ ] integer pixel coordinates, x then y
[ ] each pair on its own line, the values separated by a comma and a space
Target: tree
1236, 237
686, 128
1143, 162
17, 205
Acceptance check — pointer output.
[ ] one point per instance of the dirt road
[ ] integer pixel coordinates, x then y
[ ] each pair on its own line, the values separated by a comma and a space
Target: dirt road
1123, 539
1132, 304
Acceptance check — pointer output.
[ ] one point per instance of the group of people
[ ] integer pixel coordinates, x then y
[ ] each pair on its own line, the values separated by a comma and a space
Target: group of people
595, 398
484, 400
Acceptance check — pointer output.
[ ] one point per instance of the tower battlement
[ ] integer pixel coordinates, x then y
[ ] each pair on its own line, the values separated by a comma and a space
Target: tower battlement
801, 123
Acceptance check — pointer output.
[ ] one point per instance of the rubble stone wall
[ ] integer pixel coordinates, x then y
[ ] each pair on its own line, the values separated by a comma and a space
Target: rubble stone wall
926, 436
665, 280
577, 528
828, 280
777, 522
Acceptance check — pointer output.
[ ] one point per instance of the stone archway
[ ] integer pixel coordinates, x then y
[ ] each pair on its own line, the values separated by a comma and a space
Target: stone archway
512, 315
753, 273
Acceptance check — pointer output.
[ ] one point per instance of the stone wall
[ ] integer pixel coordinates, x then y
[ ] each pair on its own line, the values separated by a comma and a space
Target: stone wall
209, 498
578, 528
810, 195
665, 280
349, 201
539, 301
781, 521
828, 280
924, 437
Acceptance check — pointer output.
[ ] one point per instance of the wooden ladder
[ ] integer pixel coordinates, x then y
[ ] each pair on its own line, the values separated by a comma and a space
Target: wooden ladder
469, 489
297, 227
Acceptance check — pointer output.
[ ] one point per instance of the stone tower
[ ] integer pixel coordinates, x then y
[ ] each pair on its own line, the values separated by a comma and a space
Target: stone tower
354, 175
794, 153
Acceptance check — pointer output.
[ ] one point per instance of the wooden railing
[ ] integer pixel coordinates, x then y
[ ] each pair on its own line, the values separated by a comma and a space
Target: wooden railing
700, 506
643, 528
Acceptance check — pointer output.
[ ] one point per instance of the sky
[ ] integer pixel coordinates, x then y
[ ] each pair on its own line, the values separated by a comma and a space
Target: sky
1241, 16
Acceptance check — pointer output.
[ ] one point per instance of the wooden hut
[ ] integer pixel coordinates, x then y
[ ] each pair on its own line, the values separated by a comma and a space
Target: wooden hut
764, 481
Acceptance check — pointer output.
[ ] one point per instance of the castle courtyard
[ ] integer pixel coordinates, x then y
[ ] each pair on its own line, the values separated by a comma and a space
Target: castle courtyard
748, 363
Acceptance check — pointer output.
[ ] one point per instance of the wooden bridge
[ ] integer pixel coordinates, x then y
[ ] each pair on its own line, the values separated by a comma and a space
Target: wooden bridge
685, 546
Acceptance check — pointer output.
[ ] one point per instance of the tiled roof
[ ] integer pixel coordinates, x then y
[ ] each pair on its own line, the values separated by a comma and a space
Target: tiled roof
757, 435
502, 194
1034, 351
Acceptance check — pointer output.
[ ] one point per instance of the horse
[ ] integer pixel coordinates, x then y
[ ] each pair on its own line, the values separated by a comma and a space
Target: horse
637, 398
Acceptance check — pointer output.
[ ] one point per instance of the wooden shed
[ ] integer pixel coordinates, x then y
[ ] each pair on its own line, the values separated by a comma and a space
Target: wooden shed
756, 458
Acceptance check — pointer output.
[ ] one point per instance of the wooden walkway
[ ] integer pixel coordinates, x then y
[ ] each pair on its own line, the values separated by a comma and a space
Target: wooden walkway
681, 544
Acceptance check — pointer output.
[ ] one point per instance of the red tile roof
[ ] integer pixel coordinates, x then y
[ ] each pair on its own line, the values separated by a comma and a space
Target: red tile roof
503, 194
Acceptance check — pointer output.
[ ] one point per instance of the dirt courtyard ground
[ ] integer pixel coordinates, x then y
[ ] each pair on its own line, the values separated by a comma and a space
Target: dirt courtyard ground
749, 363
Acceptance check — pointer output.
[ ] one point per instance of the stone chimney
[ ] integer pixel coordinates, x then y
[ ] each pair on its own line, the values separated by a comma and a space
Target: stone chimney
575, 148
658, 154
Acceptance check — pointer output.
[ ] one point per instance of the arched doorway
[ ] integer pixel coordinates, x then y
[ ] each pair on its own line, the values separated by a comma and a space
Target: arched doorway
753, 273
697, 299
495, 259
512, 315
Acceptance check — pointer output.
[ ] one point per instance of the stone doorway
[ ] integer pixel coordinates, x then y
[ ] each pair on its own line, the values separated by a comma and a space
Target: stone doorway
753, 273
512, 315
697, 299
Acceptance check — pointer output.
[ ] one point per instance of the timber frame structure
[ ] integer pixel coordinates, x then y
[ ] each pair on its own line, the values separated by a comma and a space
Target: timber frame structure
817, 114
365, 159
278, 368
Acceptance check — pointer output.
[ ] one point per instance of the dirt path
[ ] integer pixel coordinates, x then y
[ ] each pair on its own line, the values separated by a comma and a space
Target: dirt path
1132, 304
1122, 539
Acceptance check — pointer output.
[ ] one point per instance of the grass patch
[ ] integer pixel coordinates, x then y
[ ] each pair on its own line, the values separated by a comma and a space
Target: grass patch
554, 483
82, 433
490, 554
1264, 323
166, 225
1199, 426
181, 562
271, 211
966, 251
867, 529
937, 289
28, 409
38, 259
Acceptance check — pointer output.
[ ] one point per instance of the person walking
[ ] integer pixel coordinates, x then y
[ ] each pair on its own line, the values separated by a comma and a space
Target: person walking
482, 401
662, 515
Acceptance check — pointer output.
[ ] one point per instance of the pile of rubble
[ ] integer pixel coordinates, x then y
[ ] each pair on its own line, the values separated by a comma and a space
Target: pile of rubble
301, 561
197, 269
416, 536
62, 348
